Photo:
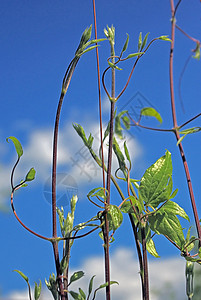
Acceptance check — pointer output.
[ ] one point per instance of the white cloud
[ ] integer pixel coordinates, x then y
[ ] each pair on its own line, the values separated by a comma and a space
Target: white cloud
166, 278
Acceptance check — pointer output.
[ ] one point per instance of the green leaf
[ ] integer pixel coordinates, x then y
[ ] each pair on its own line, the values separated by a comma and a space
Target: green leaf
115, 217
125, 45
81, 133
126, 122
140, 41
151, 112
117, 128
174, 208
52, 286
165, 38
37, 290
18, 146
127, 153
63, 264
75, 295
127, 207
144, 41
167, 224
84, 39
90, 140
134, 55
77, 275
30, 175
188, 131
98, 192
90, 285
154, 188
106, 284
22, 274
113, 66
119, 155
149, 242
197, 51
82, 294
89, 49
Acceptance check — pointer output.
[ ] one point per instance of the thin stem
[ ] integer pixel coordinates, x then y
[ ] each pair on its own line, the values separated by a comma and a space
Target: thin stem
27, 228
99, 92
192, 119
66, 82
145, 265
187, 35
188, 178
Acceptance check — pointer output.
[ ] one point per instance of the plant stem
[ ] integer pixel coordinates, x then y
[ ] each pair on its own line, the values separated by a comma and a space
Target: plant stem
145, 265
185, 164
99, 93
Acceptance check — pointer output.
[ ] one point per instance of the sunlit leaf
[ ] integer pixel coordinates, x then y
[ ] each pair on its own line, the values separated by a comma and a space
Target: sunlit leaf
30, 175
164, 38
167, 224
144, 41
174, 208
22, 274
113, 66
134, 55
115, 217
18, 146
151, 112
140, 41
154, 188
125, 45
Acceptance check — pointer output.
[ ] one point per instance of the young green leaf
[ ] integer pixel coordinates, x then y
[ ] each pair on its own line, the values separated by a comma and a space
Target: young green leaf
30, 175
144, 41
188, 131
127, 153
119, 155
90, 286
115, 217
22, 274
18, 146
103, 286
37, 290
126, 122
113, 66
81, 133
77, 275
140, 41
98, 192
125, 45
134, 55
75, 295
165, 38
151, 112
82, 294
197, 52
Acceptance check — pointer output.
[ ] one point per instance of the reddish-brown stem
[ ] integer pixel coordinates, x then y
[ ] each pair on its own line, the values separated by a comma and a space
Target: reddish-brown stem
66, 83
188, 178
99, 93
28, 229
187, 35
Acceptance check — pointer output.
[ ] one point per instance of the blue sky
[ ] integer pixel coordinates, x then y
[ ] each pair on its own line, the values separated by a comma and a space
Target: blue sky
38, 40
